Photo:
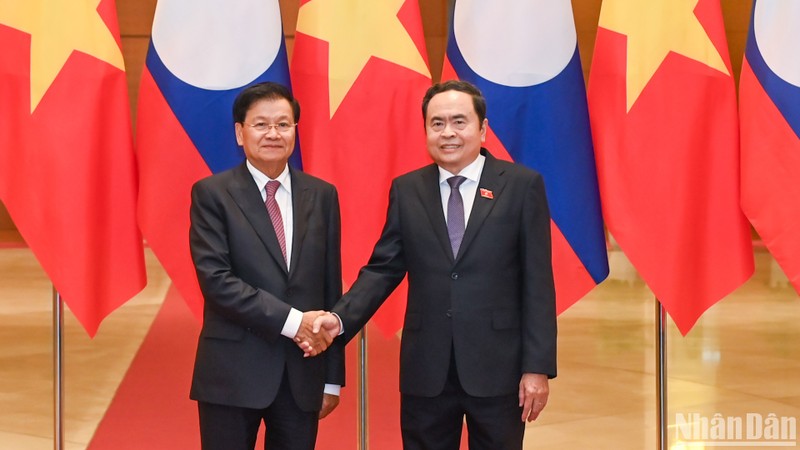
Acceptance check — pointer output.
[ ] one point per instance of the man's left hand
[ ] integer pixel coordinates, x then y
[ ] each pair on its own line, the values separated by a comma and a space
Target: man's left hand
534, 389
329, 403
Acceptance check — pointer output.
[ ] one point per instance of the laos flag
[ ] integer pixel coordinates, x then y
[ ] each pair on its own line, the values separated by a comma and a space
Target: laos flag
202, 53
523, 55
769, 110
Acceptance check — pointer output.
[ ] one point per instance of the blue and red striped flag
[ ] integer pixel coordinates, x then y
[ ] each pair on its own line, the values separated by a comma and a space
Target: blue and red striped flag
202, 53
523, 55
769, 93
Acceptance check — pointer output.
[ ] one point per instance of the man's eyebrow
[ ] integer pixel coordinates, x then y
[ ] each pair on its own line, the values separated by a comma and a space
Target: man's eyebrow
454, 116
265, 118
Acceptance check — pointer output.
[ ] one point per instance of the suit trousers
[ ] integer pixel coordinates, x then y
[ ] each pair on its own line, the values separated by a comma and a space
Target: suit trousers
225, 427
435, 423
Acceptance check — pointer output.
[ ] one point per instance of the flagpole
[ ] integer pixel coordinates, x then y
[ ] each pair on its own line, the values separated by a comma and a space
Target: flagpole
362, 399
58, 352
661, 375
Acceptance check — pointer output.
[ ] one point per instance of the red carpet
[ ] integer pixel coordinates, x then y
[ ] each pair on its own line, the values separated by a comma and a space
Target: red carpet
151, 409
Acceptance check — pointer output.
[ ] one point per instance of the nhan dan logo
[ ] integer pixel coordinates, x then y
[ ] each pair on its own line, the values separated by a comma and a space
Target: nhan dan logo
749, 430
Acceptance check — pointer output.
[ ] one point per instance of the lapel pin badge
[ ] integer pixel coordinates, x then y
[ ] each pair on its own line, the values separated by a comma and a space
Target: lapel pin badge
486, 193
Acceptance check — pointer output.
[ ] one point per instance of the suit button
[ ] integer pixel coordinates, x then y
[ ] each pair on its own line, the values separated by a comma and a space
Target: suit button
454, 275
449, 313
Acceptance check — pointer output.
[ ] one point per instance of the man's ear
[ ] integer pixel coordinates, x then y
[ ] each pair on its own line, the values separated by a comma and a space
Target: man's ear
238, 129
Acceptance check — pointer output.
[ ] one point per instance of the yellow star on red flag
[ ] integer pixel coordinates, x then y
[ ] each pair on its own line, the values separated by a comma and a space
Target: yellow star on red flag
57, 28
654, 29
357, 30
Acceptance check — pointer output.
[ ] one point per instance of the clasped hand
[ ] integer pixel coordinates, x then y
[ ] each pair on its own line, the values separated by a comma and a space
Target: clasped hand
317, 331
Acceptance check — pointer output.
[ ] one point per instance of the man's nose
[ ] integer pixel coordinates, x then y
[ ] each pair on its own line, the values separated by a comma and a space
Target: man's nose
448, 130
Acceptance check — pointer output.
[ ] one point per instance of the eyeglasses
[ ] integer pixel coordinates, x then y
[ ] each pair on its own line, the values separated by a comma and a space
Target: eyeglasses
438, 125
280, 127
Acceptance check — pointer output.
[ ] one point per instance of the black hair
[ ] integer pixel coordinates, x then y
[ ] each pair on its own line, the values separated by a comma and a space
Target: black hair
478, 101
267, 90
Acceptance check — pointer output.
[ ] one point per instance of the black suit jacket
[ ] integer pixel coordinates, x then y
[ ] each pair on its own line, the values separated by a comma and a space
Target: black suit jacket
248, 290
494, 305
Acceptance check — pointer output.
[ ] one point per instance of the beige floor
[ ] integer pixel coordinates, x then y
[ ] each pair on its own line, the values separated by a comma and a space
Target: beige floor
742, 358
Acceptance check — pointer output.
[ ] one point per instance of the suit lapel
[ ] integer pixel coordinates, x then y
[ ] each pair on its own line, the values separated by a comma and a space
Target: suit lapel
302, 204
245, 193
491, 180
431, 198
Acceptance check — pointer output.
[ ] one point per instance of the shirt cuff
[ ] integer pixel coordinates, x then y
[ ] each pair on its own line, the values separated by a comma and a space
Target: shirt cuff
332, 389
292, 324
341, 325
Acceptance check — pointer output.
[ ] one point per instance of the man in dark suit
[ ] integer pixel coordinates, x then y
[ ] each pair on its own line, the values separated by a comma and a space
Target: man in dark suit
265, 240
479, 338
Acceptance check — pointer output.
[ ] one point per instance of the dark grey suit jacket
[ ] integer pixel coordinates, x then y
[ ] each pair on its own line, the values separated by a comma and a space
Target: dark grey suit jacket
494, 305
248, 290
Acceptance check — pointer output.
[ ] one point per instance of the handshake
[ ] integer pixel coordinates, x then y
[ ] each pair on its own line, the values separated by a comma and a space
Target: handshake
316, 332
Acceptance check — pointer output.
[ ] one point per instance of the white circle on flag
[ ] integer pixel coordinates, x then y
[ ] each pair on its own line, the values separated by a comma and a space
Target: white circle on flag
515, 42
217, 44
775, 25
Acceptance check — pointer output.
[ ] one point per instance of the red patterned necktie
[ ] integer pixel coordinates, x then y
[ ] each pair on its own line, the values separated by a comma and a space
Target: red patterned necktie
275, 214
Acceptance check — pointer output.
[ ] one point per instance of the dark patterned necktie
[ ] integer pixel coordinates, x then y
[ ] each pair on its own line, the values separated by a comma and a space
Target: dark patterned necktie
455, 213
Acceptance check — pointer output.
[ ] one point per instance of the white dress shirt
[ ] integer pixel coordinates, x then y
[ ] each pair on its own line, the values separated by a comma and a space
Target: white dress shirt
472, 173
283, 196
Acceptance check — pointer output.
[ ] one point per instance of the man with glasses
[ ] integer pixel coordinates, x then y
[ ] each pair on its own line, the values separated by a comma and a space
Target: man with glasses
265, 240
473, 234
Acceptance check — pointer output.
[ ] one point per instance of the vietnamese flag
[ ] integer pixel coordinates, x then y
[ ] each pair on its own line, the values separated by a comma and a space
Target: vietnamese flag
359, 70
769, 95
662, 103
67, 169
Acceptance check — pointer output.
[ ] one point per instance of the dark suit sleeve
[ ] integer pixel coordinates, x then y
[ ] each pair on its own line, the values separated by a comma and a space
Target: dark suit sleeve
225, 292
538, 291
335, 368
376, 281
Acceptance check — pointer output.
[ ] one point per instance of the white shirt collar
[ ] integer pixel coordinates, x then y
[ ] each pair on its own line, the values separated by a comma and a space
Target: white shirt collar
472, 172
261, 178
